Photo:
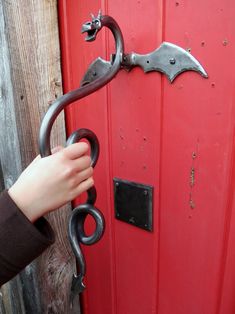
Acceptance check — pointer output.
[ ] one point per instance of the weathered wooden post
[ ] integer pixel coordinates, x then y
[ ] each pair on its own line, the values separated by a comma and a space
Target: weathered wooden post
30, 78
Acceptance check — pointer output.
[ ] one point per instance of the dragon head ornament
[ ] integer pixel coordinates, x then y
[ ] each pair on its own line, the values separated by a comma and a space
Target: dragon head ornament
92, 27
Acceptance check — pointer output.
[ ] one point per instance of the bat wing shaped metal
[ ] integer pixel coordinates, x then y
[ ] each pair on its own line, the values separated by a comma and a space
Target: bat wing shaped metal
169, 59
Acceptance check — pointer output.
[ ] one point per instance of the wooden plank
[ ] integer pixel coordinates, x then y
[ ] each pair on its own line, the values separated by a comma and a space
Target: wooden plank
187, 264
122, 278
77, 55
226, 299
135, 132
198, 130
9, 150
30, 80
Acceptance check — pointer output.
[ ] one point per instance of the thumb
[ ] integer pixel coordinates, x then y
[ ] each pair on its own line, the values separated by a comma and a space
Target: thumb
57, 149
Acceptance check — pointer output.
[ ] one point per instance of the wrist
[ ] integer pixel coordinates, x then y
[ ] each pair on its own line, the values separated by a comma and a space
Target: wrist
23, 203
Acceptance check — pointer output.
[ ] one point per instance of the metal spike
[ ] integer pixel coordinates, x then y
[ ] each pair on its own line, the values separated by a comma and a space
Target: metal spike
99, 14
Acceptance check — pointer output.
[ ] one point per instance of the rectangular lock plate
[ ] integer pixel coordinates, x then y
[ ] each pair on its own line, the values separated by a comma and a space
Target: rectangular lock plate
134, 203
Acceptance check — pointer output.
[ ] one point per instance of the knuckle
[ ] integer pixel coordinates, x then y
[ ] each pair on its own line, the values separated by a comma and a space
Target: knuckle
59, 159
84, 175
84, 162
87, 160
71, 196
89, 184
83, 146
72, 183
68, 172
91, 171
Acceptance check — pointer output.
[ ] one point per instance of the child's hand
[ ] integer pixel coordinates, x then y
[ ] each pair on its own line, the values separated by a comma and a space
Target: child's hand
50, 182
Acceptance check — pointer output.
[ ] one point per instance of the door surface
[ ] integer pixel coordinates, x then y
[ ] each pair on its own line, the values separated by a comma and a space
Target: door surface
177, 137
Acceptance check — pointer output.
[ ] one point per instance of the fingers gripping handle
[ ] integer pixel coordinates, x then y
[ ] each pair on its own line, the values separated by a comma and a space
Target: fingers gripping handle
92, 139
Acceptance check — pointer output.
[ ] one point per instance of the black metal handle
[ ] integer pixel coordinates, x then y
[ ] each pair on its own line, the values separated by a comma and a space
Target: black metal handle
76, 223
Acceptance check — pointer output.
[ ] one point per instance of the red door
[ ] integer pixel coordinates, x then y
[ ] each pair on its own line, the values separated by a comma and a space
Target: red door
178, 138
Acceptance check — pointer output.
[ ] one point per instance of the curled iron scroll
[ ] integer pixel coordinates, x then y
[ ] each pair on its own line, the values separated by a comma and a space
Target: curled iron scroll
76, 230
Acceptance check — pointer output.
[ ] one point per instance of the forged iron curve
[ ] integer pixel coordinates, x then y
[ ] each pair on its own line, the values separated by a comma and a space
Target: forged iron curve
76, 231
168, 58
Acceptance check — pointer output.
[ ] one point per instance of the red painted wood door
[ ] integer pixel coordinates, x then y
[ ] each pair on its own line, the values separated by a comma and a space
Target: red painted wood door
178, 138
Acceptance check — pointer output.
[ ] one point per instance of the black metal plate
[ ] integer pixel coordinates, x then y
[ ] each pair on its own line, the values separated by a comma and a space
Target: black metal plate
133, 203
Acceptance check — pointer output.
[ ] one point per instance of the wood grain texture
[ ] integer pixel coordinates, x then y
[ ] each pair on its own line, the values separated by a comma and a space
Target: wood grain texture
30, 80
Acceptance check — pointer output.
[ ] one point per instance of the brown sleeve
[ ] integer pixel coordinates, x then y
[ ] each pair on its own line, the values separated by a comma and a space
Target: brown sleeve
20, 240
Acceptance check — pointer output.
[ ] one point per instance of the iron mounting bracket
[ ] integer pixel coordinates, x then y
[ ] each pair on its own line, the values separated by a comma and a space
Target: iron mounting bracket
168, 59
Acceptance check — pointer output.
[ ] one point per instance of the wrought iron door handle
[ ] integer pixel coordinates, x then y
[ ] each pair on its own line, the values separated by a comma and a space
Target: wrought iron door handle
76, 230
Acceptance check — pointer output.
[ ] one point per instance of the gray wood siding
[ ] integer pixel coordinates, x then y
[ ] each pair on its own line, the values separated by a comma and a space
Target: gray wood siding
30, 79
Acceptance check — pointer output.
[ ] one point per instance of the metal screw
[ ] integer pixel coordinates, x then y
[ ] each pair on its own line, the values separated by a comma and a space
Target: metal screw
145, 192
117, 184
172, 61
225, 42
132, 220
